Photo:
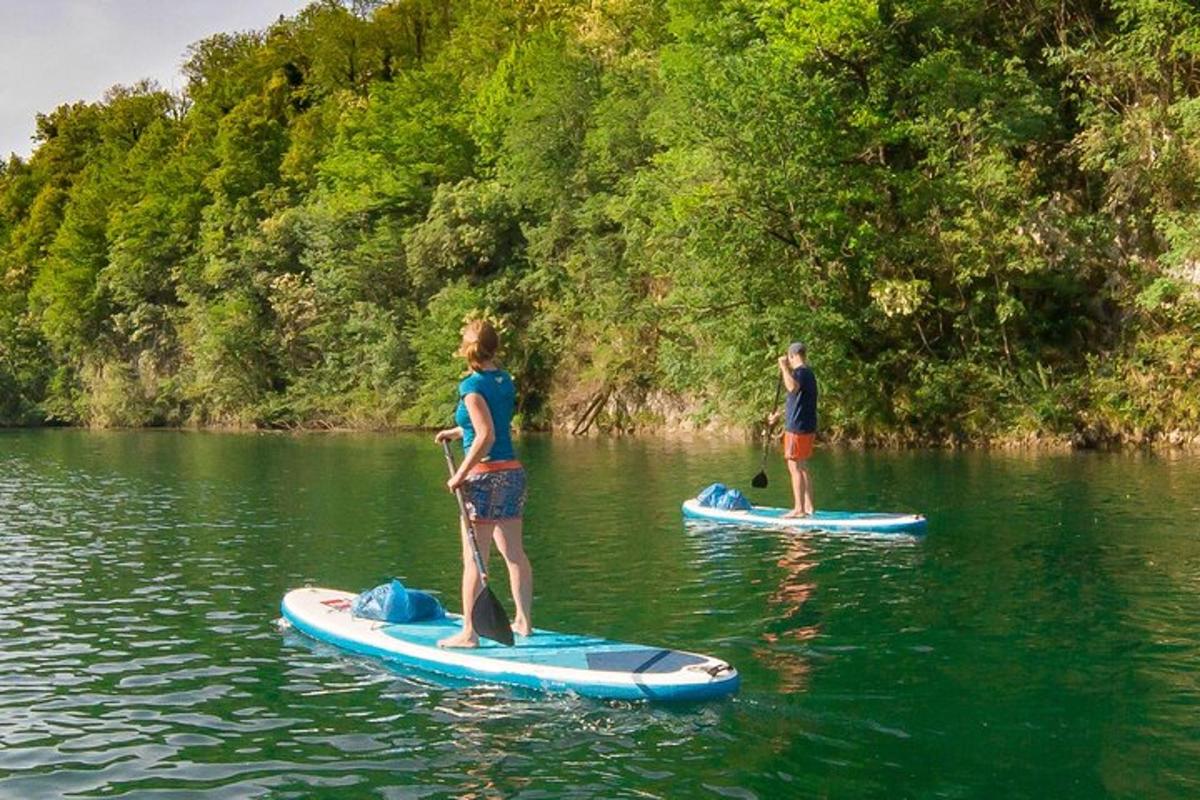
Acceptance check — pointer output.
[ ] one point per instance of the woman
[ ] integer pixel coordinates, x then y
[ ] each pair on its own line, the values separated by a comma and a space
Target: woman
493, 481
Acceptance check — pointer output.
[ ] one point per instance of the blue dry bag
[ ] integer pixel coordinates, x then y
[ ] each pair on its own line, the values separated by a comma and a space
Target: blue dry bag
720, 496
711, 494
733, 500
391, 602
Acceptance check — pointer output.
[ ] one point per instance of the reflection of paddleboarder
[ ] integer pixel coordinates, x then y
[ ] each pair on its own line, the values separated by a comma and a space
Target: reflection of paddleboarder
788, 607
800, 425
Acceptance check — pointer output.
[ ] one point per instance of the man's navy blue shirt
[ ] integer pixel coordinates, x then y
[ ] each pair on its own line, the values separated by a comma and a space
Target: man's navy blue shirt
801, 410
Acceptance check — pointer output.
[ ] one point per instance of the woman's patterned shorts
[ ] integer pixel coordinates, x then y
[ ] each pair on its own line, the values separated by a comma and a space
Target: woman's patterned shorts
496, 495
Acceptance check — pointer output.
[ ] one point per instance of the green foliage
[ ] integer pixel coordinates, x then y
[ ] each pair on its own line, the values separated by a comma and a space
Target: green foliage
229, 367
72, 309
471, 229
431, 336
981, 217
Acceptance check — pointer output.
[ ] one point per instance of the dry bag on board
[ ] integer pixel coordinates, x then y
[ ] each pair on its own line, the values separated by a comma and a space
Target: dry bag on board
718, 495
391, 602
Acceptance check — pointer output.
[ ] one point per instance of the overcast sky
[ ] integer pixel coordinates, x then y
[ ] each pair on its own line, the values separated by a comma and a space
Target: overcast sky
59, 51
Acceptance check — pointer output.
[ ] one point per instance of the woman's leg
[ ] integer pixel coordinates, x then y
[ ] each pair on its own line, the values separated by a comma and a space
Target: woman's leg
471, 585
520, 572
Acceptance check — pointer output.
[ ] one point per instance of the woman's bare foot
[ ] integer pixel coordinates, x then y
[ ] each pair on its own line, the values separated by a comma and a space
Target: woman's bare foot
522, 627
460, 639
795, 514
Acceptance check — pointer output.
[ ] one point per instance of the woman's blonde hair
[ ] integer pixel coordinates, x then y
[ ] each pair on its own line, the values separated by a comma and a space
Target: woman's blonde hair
480, 342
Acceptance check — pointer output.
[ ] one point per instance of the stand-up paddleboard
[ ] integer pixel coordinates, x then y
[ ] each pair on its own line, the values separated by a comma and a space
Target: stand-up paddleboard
765, 516
548, 661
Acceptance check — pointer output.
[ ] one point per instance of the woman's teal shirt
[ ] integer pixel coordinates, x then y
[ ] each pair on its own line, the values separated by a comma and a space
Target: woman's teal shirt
498, 391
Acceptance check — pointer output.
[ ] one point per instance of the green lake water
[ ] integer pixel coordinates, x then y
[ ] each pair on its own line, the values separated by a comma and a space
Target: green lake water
1042, 641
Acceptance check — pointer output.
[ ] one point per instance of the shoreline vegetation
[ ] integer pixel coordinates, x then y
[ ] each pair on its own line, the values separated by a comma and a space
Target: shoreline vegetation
982, 218
1174, 441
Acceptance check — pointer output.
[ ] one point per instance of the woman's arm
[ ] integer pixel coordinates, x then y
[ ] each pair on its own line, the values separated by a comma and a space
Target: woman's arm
485, 434
449, 434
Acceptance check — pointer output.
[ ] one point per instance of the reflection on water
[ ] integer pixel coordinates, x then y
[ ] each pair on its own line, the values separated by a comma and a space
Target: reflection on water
1041, 641
793, 623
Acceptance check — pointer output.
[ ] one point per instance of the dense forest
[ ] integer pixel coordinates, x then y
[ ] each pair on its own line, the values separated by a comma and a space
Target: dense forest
983, 216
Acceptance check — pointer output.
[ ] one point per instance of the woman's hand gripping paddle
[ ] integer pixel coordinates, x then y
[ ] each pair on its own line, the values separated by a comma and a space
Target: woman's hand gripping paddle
487, 615
759, 481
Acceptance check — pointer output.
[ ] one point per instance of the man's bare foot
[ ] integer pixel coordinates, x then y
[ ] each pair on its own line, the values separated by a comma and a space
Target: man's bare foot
460, 639
522, 627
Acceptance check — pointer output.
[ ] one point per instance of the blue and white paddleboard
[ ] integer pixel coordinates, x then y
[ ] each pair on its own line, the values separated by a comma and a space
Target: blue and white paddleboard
765, 516
548, 661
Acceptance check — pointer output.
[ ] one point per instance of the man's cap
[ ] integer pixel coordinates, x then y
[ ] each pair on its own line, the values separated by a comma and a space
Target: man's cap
797, 349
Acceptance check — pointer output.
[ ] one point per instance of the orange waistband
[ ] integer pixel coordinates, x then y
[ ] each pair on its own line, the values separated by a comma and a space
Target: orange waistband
495, 466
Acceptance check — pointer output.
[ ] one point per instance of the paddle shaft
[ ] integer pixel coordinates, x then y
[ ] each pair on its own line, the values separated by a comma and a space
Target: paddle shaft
466, 518
767, 430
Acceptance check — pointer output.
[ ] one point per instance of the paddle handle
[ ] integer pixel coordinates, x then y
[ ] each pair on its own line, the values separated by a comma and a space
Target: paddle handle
466, 518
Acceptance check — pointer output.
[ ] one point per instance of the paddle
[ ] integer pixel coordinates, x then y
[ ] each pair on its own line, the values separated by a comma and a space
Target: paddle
759, 481
487, 615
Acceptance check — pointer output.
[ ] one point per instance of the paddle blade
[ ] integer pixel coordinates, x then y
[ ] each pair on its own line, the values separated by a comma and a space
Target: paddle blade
490, 619
759, 481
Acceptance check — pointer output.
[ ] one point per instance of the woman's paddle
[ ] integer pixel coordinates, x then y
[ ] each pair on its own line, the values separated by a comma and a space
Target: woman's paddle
487, 615
759, 481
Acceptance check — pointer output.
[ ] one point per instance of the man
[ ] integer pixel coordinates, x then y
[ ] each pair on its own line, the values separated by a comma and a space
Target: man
800, 425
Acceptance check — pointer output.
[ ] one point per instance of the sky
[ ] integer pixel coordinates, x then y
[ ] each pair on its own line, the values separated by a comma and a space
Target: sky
59, 51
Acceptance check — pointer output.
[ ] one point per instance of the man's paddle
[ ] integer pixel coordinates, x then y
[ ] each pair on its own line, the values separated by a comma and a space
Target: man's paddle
759, 481
487, 615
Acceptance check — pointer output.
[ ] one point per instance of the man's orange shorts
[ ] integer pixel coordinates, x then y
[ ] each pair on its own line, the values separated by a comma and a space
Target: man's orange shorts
797, 446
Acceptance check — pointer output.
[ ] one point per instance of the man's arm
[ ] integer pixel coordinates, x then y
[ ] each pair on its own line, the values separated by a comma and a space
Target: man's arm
789, 380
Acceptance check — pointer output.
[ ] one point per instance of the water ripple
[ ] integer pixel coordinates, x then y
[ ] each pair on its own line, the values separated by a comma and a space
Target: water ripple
1042, 640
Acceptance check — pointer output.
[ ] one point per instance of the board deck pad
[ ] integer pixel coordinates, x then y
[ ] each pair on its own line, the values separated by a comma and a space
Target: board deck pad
848, 521
545, 660
641, 660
